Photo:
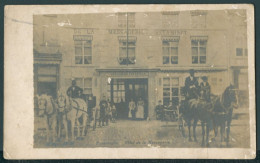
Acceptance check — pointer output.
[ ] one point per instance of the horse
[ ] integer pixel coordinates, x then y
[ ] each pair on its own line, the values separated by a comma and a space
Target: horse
222, 112
215, 113
72, 109
47, 109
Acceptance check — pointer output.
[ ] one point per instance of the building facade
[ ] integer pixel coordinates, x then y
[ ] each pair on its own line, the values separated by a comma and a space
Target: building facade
140, 55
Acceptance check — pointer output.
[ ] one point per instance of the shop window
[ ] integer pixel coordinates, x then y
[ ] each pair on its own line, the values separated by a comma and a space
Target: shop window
83, 49
85, 84
116, 90
198, 50
170, 19
124, 17
198, 19
170, 52
171, 90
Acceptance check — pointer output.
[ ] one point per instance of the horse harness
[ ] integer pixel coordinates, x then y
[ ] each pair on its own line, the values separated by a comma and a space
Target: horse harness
49, 115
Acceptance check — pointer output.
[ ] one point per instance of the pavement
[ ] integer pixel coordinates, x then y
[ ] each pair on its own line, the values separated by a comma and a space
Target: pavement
130, 133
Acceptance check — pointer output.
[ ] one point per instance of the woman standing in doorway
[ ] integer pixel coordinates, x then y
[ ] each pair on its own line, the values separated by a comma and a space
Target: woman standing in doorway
140, 109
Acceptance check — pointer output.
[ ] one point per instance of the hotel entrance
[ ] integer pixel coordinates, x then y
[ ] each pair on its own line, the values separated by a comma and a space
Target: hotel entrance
122, 91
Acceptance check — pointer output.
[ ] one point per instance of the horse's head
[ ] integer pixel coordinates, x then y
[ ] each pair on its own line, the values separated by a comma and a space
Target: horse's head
230, 97
61, 100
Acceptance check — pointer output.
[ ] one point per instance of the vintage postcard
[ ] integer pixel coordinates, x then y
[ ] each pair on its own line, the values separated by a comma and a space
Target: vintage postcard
129, 81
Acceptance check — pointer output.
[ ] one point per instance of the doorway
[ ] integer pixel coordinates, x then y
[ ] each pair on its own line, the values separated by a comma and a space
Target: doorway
121, 91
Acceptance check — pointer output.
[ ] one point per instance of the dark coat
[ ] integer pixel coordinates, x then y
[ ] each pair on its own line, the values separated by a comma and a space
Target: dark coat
74, 92
206, 90
191, 88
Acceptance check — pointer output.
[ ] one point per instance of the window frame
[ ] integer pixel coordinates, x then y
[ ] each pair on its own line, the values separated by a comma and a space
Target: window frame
170, 55
198, 48
83, 56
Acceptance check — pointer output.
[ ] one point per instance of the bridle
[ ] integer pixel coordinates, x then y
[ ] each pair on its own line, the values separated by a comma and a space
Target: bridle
221, 101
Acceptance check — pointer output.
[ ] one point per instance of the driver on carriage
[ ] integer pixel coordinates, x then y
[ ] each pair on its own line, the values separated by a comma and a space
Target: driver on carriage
74, 91
191, 86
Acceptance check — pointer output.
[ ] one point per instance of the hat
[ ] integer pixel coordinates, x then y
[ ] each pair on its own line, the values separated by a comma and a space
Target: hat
204, 78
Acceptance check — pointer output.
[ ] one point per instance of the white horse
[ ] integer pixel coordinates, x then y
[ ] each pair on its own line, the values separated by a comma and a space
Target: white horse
46, 108
72, 110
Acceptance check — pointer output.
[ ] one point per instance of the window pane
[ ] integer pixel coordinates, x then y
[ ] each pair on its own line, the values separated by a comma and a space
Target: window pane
166, 43
166, 60
79, 82
78, 51
194, 59
203, 43
175, 91
87, 44
166, 100
202, 59
166, 92
175, 82
175, 101
88, 83
131, 43
166, 81
174, 59
194, 51
87, 91
239, 52
122, 52
203, 51
87, 51
194, 43
131, 52
166, 51
88, 60
78, 59
174, 51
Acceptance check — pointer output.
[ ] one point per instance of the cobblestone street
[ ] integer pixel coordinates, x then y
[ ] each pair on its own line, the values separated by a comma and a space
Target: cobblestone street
128, 133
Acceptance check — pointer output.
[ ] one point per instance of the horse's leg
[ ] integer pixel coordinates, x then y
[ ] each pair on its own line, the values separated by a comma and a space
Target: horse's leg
47, 130
207, 134
203, 134
78, 127
222, 130
72, 120
189, 125
228, 132
84, 124
65, 123
194, 129
54, 131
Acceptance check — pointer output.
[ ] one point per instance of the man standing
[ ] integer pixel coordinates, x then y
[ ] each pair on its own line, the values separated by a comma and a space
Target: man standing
159, 110
103, 106
74, 91
205, 89
191, 86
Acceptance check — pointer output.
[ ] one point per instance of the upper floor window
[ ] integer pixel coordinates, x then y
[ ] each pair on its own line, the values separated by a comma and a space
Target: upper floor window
83, 49
127, 48
241, 52
198, 19
170, 19
126, 18
199, 49
170, 50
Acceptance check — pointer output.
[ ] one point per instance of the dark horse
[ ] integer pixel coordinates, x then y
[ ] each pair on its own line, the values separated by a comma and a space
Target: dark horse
216, 113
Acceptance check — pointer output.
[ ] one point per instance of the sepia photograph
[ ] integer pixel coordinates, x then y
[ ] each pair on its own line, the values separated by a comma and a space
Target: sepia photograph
168, 78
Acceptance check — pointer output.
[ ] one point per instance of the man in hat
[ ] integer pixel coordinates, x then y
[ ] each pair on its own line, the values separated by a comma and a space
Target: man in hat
205, 89
74, 91
191, 86
103, 107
